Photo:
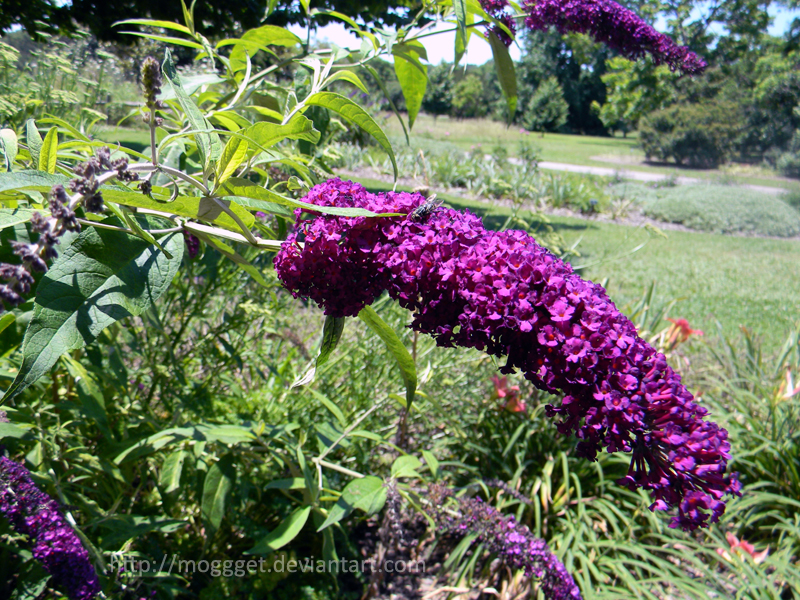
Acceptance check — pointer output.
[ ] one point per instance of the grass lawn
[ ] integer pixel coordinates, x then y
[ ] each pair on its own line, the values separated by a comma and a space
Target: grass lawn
621, 153
736, 281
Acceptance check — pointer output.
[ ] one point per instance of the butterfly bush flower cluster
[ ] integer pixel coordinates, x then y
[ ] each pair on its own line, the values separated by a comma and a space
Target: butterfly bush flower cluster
618, 27
497, 10
56, 546
506, 538
502, 293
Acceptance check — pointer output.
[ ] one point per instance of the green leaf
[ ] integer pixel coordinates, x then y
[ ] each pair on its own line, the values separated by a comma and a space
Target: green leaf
367, 494
154, 23
102, 277
204, 209
93, 403
331, 334
268, 134
14, 216
355, 114
406, 466
284, 533
460, 9
292, 483
379, 80
233, 155
261, 37
8, 146
6, 320
127, 527
216, 487
208, 144
167, 39
11, 430
412, 76
31, 580
231, 254
243, 187
64, 125
432, 463
171, 470
396, 347
505, 73
49, 151
34, 140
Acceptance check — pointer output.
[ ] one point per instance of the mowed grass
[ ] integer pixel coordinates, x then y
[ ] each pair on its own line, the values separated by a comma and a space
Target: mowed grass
734, 281
617, 152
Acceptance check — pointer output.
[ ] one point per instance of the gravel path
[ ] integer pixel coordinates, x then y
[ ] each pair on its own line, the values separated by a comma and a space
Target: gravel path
638, 175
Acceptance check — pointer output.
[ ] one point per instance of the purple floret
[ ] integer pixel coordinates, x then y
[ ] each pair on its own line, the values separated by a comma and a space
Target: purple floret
502, 293
36, 515
510, 540
618, 27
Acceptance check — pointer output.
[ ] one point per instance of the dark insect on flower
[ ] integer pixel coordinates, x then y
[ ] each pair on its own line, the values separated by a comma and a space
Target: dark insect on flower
423, 211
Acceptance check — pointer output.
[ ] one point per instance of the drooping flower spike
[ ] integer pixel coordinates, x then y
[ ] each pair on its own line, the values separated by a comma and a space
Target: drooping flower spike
502, 293
614, 25
56, 546
504, 536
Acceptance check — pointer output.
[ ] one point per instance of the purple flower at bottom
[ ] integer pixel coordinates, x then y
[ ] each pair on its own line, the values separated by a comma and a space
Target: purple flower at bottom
192, 244
502, 535
613, 24
36, 515
502, 293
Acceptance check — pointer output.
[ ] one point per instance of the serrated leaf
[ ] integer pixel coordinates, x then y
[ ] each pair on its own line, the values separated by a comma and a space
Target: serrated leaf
284, 533
171, 470
355, 114
216, 487
101, 277
8, 146
331, 334
259, 38
404, 360
34, 140
49, 151
505, 72
406, 466
233, 155
412, 76
208, 144
367, 494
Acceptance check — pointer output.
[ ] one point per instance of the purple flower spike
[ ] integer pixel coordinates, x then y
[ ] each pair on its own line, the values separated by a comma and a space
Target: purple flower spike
502, 293
36, 515
612, 24
508, 539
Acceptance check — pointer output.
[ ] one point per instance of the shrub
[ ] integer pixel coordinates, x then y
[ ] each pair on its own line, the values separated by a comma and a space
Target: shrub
697, 135
720, 209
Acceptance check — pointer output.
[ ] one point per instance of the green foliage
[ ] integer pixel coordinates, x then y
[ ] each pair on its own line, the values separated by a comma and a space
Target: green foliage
634, 89
698, 135
466, 98
547, 109
719, 209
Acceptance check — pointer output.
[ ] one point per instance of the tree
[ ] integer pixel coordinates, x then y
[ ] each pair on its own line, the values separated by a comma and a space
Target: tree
633, 90
438, 98
547, 110
213, 18
466, 98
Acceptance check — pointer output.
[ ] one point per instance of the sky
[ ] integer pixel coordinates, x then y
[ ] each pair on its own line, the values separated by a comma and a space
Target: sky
440, 47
